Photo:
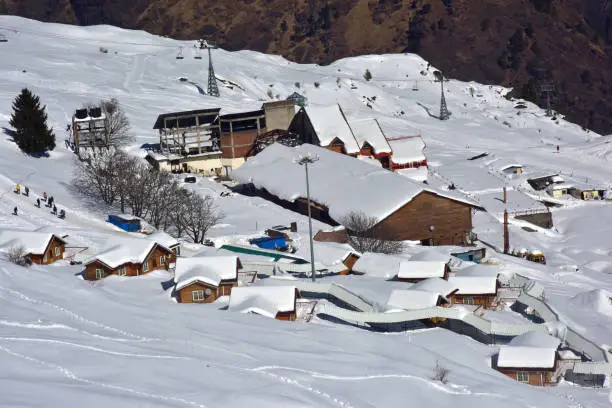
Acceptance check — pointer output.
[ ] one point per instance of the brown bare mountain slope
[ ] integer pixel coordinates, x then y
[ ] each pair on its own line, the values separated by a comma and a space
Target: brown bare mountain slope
518, 43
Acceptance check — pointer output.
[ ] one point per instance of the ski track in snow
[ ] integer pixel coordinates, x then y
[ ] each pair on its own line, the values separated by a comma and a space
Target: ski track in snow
74, 315
70, 375
434, 384
91, 348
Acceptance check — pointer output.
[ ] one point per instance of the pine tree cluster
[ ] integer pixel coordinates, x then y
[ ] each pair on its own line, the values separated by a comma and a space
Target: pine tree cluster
29, 120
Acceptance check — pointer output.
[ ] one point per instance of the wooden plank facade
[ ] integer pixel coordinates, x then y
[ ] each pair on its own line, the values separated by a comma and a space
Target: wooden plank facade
157, 259
290, 315
532, 376
54, 252
431, 219
202, 292
478, 299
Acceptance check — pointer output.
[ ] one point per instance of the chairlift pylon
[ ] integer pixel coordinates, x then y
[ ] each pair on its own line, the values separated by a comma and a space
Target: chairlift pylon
179, 56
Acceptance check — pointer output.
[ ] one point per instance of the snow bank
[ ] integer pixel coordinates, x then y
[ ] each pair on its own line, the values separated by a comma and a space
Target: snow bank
598, 300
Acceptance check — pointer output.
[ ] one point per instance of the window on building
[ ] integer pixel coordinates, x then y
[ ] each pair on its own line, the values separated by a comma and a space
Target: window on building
162, 260
468, 300
197, 295
99, 273
522, 376
45, 258
145, 266
122, 271
57, 251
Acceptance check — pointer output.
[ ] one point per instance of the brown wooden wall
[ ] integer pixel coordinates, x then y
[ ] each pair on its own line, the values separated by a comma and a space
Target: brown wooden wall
479, 299
224, 289
538, 377
286, 316
50, 252
451, 220
350, 261
238, 144
132, 269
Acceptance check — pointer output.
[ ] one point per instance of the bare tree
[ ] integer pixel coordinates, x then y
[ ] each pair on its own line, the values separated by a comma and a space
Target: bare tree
364, 236
161, 200
18, 256
98, 176
117, 123
198, 216
440, 373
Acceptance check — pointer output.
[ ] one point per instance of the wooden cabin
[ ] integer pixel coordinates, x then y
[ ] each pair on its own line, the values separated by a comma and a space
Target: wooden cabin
337, 235
277, 302
128, 257
327, 127
372, 141
205, 279
167, 241
511, 169
415, 271
474, 290
40, 247
238, 133
406, 210
530, 358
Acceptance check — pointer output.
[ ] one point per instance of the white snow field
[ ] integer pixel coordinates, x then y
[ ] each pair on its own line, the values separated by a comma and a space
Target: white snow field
123, 342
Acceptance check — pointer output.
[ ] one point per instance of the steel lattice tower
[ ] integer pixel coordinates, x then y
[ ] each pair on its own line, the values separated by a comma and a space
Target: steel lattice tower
548, 88
444, 113
213, 90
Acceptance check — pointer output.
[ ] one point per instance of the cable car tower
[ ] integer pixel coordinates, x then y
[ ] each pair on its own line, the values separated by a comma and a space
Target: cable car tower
548, 88
213, 90
444, 113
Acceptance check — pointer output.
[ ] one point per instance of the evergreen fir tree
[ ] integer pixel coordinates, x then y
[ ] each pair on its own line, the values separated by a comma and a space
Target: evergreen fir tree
29, 120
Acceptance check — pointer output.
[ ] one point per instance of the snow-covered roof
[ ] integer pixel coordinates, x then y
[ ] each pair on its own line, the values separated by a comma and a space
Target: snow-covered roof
329, 253
479, 270
330, 123
535, 339
163, 238
408, 150
379, 265
517, 202
474, 285
507, 166
339, 182
418, 174
431, 255
369, 130
435, 285
121, 250
421, 269
410, 299
211, 270
469, 177
264, 300
526, 357
33, 242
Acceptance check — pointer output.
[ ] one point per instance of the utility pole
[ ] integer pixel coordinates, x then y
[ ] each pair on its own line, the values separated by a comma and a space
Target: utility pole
305, 161
506, 232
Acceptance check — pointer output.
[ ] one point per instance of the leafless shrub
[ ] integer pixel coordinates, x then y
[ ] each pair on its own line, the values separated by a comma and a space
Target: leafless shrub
270, 93
98, 176
441, 373
317, 84
365, 237
18, 256
117, 123
198, 216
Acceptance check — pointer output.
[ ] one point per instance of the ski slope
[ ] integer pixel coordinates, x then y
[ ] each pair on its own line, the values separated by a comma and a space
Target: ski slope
123, 342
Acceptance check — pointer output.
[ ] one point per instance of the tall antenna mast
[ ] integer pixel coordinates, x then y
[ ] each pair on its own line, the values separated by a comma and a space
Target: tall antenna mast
213, 90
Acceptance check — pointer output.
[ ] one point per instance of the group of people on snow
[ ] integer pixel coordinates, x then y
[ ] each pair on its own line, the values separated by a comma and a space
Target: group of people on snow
50, 202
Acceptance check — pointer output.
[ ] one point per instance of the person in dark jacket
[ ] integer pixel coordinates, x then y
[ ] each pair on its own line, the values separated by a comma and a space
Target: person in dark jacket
15, 211
38, 202
54, 210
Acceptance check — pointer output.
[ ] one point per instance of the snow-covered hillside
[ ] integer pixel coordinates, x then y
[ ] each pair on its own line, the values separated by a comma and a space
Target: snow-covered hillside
123, 342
